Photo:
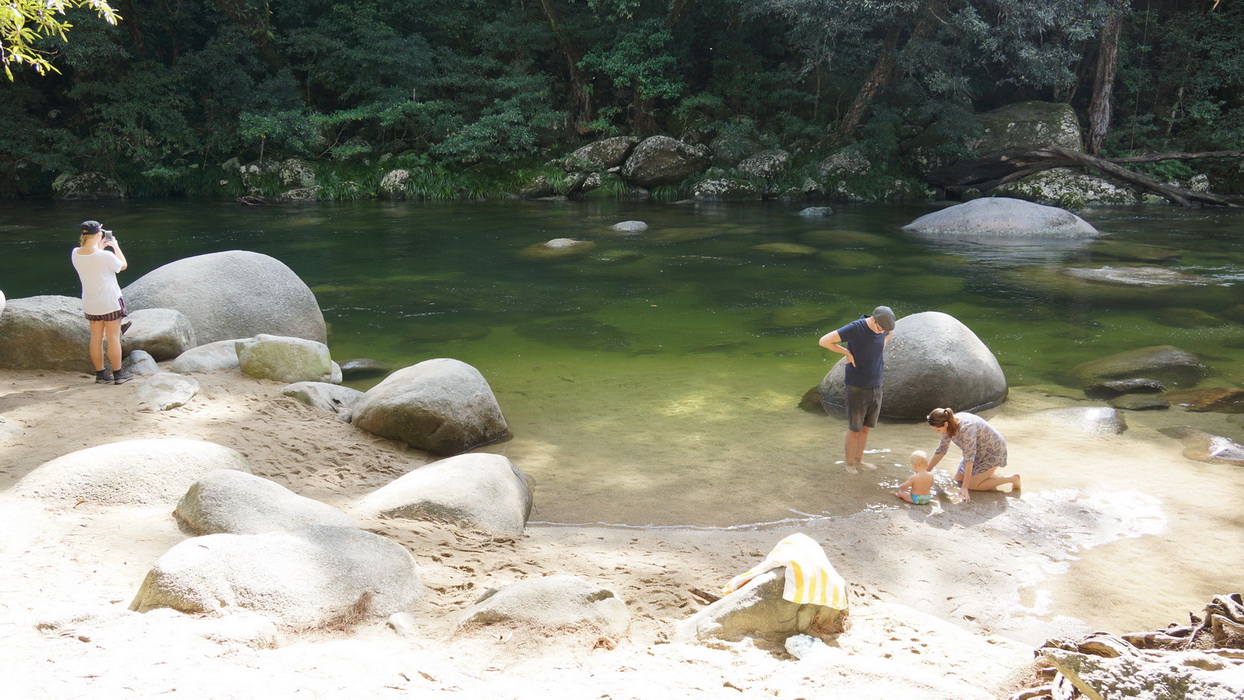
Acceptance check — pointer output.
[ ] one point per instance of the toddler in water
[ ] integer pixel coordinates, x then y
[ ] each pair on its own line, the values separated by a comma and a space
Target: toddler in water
918, 488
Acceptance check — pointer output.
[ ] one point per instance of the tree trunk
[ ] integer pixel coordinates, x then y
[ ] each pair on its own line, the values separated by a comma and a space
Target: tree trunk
997, 169
876, 83
130, 20
679, 9
580, 96
259, 29
1101, 107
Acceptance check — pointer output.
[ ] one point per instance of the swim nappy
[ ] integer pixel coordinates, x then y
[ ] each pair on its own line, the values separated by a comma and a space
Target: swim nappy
922, 499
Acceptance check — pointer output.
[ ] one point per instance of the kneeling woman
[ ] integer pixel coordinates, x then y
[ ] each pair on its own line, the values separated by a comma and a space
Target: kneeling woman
983, 447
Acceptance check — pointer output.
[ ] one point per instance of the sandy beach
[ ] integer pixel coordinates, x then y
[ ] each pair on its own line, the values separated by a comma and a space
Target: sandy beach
1114, 532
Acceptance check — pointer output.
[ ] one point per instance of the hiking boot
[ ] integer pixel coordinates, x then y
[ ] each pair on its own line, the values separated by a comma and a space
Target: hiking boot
122, 377
103, 376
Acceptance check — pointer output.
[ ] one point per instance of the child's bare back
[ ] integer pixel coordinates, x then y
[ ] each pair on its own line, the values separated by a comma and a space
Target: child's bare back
918, 489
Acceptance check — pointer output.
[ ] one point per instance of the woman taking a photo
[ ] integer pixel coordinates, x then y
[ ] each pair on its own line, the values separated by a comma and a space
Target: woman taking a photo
101, 298
983, 447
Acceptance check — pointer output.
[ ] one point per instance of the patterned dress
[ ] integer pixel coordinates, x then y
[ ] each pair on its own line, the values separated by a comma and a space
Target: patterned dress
981, 443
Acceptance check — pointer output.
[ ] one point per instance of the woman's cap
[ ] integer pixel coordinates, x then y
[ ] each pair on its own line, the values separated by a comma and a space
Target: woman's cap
90, 228
884, 317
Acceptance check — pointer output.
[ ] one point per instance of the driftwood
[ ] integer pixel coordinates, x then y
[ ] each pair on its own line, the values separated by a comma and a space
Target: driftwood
1213, 641
999, 168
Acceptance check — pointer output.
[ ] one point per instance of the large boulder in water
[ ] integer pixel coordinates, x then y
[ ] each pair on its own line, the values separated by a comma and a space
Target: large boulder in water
444, 406
932, 360
45, 332
234, 294
1002, 217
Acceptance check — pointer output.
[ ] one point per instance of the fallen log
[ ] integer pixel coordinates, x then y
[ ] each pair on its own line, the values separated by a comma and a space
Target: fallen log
999, 168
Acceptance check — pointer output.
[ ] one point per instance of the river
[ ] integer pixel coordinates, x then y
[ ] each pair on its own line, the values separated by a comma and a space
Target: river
654, 380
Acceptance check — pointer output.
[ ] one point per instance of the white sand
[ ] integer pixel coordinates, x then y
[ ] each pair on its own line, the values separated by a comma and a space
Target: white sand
1117, 531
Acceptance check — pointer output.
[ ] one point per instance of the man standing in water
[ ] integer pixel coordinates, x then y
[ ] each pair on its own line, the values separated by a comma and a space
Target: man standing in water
866, 340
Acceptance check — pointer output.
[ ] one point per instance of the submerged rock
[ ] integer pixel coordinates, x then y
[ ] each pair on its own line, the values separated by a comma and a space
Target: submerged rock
578, 333
1165, 364
1094, 420
1187, 318
791, 250
364, 368
1140, 402
556, 249
1133, 252
1227, 399
1134, 276
1111, 389
1201, 446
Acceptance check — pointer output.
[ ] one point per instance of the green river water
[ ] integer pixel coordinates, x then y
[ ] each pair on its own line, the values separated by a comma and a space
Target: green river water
655, 379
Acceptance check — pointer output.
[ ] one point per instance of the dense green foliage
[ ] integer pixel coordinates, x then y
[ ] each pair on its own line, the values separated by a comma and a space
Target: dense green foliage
460, 87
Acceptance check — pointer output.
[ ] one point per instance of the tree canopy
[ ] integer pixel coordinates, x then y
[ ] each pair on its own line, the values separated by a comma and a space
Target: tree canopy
24, 22
156, 90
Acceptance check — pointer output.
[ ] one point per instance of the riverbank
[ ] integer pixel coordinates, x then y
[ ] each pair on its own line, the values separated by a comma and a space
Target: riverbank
1119, 532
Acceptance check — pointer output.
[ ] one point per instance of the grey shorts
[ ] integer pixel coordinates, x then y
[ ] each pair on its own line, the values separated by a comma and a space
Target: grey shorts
863, 407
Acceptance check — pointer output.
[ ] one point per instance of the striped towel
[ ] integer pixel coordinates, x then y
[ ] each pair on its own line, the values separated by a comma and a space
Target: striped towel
810, 578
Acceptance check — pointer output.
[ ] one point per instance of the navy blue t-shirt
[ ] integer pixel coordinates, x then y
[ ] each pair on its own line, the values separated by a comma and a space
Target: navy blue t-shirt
868, 349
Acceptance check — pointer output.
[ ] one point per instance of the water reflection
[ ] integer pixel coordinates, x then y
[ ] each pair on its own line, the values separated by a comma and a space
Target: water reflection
661, 371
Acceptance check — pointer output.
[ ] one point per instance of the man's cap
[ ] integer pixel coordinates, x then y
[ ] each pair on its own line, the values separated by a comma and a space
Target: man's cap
884, 317
90, 228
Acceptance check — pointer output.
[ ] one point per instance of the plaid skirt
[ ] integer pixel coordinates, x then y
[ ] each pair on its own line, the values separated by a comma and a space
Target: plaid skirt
113, 316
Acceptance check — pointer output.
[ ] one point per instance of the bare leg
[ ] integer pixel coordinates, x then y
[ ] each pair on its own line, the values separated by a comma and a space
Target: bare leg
96, 348
112, 333
854, 447
989, 482
904, 495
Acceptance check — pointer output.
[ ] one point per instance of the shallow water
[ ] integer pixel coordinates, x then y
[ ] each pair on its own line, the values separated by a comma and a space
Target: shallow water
654, 379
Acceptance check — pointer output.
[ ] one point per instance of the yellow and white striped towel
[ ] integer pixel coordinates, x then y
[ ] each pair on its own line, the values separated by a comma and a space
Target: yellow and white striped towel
810, 578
